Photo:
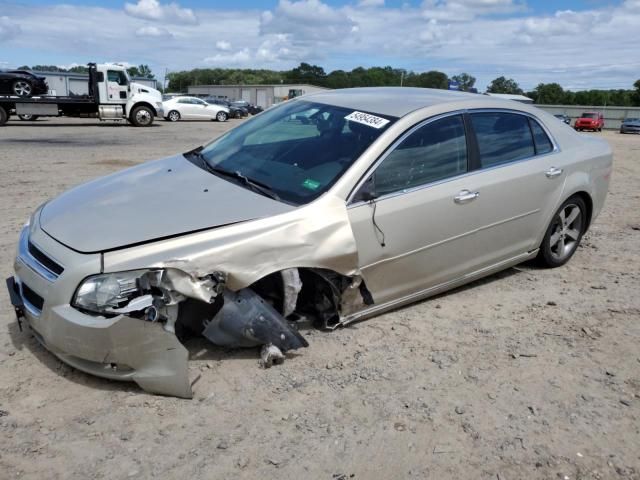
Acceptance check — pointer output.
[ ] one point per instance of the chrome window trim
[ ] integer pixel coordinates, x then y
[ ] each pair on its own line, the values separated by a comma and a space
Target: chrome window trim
25, 257
394, 145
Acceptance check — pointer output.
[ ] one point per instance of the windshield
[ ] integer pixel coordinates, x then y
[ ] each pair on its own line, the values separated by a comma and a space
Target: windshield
589, 115
298, 150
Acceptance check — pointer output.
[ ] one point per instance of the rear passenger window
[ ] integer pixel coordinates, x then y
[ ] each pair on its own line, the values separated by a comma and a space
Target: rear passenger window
434, 152
540, 138
502, 137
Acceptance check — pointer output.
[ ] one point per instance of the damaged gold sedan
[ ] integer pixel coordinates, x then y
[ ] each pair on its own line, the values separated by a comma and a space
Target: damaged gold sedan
327, 209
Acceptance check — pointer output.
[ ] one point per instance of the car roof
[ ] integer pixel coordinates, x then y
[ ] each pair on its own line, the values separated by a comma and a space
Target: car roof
393, 101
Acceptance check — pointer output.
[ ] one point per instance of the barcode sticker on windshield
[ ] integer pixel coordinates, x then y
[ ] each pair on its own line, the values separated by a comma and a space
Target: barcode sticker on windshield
367, 119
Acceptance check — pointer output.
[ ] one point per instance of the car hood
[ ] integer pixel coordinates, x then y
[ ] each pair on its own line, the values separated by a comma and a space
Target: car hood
155, 200
634, 123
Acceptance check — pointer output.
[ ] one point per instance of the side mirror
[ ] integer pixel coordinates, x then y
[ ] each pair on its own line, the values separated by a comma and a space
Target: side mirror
367, 192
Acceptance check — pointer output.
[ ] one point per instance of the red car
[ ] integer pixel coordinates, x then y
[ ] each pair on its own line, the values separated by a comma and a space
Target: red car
590, 121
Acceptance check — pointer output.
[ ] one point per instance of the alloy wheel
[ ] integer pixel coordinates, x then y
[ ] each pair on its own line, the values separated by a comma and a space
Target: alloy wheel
567, 227
22, 88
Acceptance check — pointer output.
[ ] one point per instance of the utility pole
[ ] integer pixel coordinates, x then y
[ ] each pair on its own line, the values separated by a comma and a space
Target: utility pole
401, 77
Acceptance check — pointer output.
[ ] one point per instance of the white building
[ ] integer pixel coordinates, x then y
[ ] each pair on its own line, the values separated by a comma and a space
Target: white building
261, 95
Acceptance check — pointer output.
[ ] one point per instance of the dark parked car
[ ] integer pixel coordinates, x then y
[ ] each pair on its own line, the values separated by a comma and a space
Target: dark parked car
563, 118
234, 110
22, 83
630, 125
253, 109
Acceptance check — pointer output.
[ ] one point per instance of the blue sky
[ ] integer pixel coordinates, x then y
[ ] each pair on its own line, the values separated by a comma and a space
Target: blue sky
580, 44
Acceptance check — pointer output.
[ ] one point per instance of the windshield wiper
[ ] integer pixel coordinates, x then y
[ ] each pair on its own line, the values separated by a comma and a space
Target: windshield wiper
254, 185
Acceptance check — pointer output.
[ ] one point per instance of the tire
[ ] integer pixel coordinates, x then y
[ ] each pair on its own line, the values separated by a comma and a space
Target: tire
563, 235
28, 118
173, 116
4, 116
141, 116
221, 116
22, 88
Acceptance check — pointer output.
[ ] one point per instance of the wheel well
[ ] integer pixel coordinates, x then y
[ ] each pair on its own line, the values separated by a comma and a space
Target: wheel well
144, 104
320, 297
589, 203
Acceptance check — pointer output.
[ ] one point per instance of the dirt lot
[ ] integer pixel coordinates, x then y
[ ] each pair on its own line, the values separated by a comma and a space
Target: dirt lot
527, 374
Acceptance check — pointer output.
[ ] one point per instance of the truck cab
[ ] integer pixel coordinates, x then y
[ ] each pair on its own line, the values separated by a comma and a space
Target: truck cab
119, 97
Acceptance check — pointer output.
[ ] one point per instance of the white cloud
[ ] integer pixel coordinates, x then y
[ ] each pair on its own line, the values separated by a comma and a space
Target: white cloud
371, 3
8, 28
239, 58
308, 21
466, 10
485, 40
153, 31
154, 10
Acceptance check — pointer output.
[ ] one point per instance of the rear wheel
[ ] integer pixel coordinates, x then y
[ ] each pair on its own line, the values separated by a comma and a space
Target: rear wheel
141, 116
28, 118
173, 116
4, 116
221, 116
22, 88
564, 233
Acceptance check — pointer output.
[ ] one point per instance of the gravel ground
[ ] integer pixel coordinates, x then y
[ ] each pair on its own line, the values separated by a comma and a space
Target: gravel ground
526, 374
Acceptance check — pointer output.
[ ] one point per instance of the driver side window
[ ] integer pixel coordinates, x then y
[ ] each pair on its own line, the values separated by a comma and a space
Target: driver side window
436, 151
117, 77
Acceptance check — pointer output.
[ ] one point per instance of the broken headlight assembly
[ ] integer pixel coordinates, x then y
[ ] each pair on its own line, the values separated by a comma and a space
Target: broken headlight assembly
112, 293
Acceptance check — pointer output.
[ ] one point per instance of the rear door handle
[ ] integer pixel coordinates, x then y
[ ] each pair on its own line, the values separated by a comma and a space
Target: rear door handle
553, 172
466, 196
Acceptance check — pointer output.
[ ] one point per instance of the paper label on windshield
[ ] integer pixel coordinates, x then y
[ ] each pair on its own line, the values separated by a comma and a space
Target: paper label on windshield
367, 119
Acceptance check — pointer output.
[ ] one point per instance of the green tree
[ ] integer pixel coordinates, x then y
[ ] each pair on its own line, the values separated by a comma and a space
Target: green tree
48, 68
504, 85
549, 94
636, 94
306, 73
142, 71
79, 69
465, 81
431, 79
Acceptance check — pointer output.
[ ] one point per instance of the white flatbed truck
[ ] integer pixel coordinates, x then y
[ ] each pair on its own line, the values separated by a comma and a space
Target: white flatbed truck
112, 96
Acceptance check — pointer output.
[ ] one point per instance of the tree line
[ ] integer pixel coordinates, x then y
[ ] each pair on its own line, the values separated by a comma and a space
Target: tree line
549, 93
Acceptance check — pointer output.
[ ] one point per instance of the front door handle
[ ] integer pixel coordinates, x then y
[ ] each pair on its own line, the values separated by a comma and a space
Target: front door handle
466, 196
553, 172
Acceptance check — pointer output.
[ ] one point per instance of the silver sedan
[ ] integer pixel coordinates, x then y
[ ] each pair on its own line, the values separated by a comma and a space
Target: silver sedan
327, 209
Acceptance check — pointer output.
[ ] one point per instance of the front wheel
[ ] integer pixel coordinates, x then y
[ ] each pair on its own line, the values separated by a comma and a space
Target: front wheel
4, 116
141, 116
173, 116
564, 233
221, 116
28, 118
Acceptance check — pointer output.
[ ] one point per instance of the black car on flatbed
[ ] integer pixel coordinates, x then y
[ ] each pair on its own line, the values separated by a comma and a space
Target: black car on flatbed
22, 83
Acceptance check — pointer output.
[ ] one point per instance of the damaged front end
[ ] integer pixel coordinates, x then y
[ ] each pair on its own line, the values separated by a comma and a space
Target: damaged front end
266, 314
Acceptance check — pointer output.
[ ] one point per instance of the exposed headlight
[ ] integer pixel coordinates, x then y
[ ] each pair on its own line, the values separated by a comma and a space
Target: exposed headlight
109, 292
